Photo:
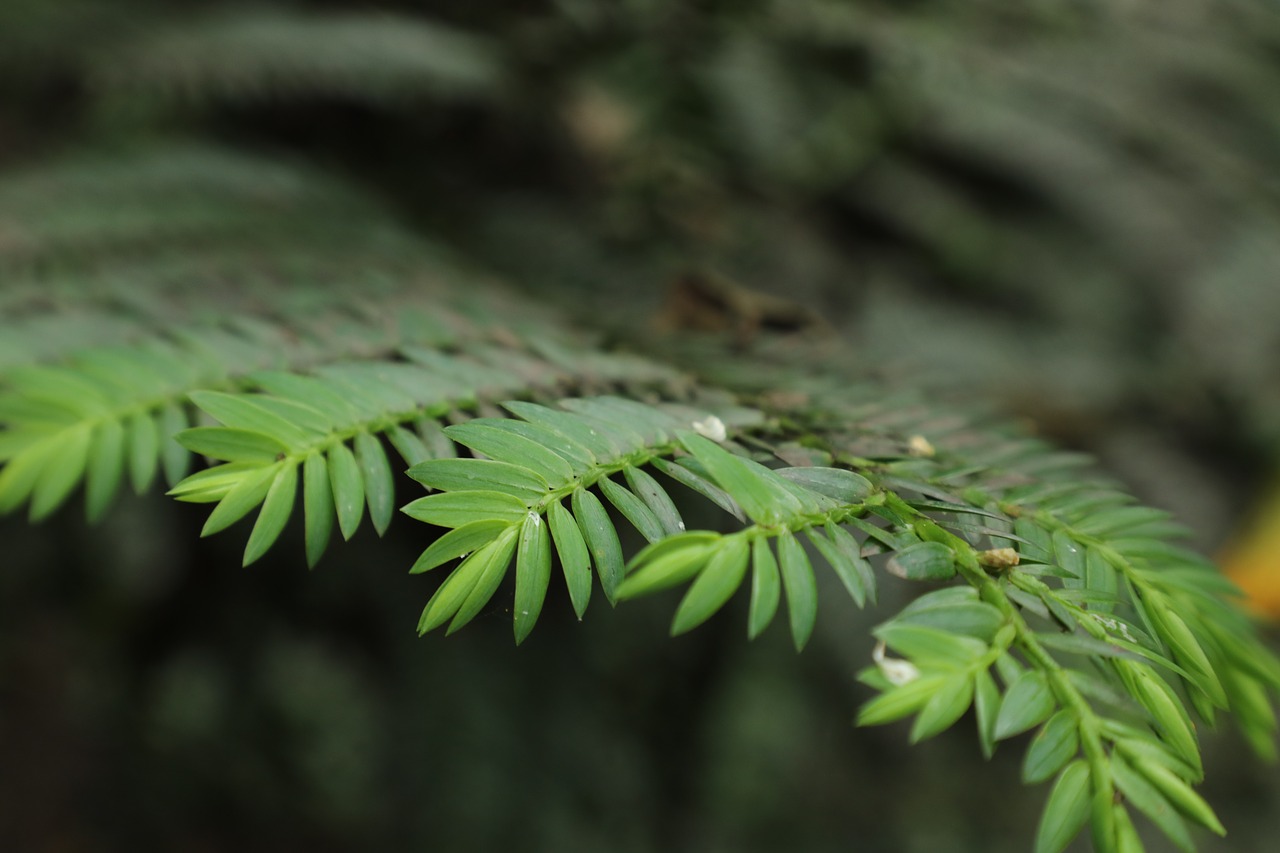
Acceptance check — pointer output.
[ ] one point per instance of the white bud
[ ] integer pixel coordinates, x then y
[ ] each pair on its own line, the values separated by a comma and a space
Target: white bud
918, 445
896, 670
712, 428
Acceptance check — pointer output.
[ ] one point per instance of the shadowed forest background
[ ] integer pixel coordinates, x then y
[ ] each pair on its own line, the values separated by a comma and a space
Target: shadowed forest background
1067, 212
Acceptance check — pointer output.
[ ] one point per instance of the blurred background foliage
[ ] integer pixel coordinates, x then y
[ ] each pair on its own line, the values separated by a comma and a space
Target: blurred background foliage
1070, 211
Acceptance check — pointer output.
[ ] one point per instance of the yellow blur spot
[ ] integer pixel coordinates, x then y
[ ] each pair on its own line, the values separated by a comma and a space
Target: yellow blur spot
1253, 561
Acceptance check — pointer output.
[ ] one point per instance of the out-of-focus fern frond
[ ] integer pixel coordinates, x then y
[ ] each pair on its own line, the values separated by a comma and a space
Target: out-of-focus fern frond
240, 299
162, 200
1123, 154
39, 39
267, 55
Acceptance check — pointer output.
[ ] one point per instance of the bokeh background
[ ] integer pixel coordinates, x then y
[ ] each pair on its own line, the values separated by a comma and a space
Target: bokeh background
1067, 211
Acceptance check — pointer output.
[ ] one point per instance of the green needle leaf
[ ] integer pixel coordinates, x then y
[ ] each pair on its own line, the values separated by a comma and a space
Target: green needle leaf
317, 506
144, 451
1053, 746
986, 705
61, 472
841, 562
213, 484
497, 557
317, 394
946, 706
275, 513
1147, 799
633, 509
575, 561
766, 587
1070, 555
247, 493
971, 618
750, 484
1170, 718
717, 582
1187, 651
21, 473
1066, 810
668, 563
1179, 793
849, 547
456, 475
1027, 703
174, 457
454, 509
106, 468
411, 448
572, 427
533, 573
432, 434
449, 597
697, 483
579, 458
348, 488
801, 587
1126, 834
923, 561
656, 498
902, 701
843, 486
505, 446
232, 445
459, 542
457, 590
602, 541
379, 484
1100, 577
931, 647
241, 411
